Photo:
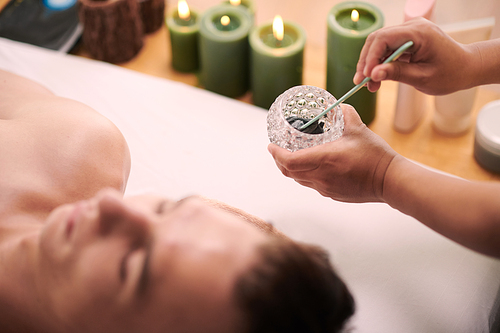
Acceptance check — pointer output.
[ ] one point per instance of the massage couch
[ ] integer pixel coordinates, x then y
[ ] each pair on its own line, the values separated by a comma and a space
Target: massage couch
184, 140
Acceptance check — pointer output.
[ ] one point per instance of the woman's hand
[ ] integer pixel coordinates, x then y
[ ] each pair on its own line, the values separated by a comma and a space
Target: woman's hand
435, 64
350, 169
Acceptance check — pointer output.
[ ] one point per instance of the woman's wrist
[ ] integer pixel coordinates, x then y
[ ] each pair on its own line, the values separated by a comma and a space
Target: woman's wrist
391, 179
483, 63
381, 174
472, 67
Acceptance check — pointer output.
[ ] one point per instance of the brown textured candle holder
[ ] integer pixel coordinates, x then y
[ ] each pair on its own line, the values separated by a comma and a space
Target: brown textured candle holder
152, 14
112, 29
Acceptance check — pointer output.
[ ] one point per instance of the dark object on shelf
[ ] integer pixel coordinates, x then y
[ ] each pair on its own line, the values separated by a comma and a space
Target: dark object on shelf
112, 30
52, 24
152, 14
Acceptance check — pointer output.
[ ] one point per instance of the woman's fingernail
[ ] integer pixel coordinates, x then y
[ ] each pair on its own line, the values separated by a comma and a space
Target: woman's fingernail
357, 78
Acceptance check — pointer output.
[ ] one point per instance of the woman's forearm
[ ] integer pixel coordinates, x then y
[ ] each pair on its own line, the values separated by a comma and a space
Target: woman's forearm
486, 64
464, 211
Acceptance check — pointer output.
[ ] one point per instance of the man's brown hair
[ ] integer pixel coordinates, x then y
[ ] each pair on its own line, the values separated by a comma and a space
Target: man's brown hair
293, 288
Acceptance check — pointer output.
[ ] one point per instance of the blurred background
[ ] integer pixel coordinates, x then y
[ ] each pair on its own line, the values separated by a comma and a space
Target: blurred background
311, 14
453, 154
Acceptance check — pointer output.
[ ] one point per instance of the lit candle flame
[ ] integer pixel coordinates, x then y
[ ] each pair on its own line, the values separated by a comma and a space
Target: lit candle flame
278, 28
225, 20
235, 2
354, 15
183, 10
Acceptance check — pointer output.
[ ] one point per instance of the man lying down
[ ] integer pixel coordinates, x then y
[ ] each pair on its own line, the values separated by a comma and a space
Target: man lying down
76, 256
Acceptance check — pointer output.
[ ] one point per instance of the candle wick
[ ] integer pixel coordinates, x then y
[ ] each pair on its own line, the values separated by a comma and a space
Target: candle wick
278, 42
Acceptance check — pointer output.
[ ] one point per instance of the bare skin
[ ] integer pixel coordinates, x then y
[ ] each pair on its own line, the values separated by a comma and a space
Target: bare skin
82, 145
76, 256
435, 64
361, 167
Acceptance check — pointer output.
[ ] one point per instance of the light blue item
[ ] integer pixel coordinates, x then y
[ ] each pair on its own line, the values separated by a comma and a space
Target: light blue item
59, 4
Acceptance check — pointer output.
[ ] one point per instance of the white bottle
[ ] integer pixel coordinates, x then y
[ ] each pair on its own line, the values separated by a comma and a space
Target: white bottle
411, 104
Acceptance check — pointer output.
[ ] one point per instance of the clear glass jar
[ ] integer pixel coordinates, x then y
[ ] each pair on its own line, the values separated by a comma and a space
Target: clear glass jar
304, 102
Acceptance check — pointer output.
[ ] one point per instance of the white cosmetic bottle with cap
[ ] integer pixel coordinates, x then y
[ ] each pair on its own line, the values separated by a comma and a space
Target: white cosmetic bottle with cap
411, 104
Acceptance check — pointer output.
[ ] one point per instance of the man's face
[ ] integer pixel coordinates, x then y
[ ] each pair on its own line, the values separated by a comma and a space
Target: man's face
145, 264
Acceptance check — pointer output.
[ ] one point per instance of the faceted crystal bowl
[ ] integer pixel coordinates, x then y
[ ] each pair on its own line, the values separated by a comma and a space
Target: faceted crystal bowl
304, 102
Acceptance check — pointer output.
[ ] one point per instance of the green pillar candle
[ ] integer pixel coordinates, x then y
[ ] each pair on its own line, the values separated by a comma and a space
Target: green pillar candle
184, 39
224, 50
345, 41
275, 66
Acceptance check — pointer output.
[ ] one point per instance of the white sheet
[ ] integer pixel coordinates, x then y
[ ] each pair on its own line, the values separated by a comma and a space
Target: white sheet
405, 278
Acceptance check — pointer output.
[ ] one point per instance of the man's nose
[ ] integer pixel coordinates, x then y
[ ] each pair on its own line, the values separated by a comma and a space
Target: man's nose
119, 219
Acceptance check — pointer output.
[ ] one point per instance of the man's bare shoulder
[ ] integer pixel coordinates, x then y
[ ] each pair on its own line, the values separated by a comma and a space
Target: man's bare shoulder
57, 146
34, 113
26, 105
